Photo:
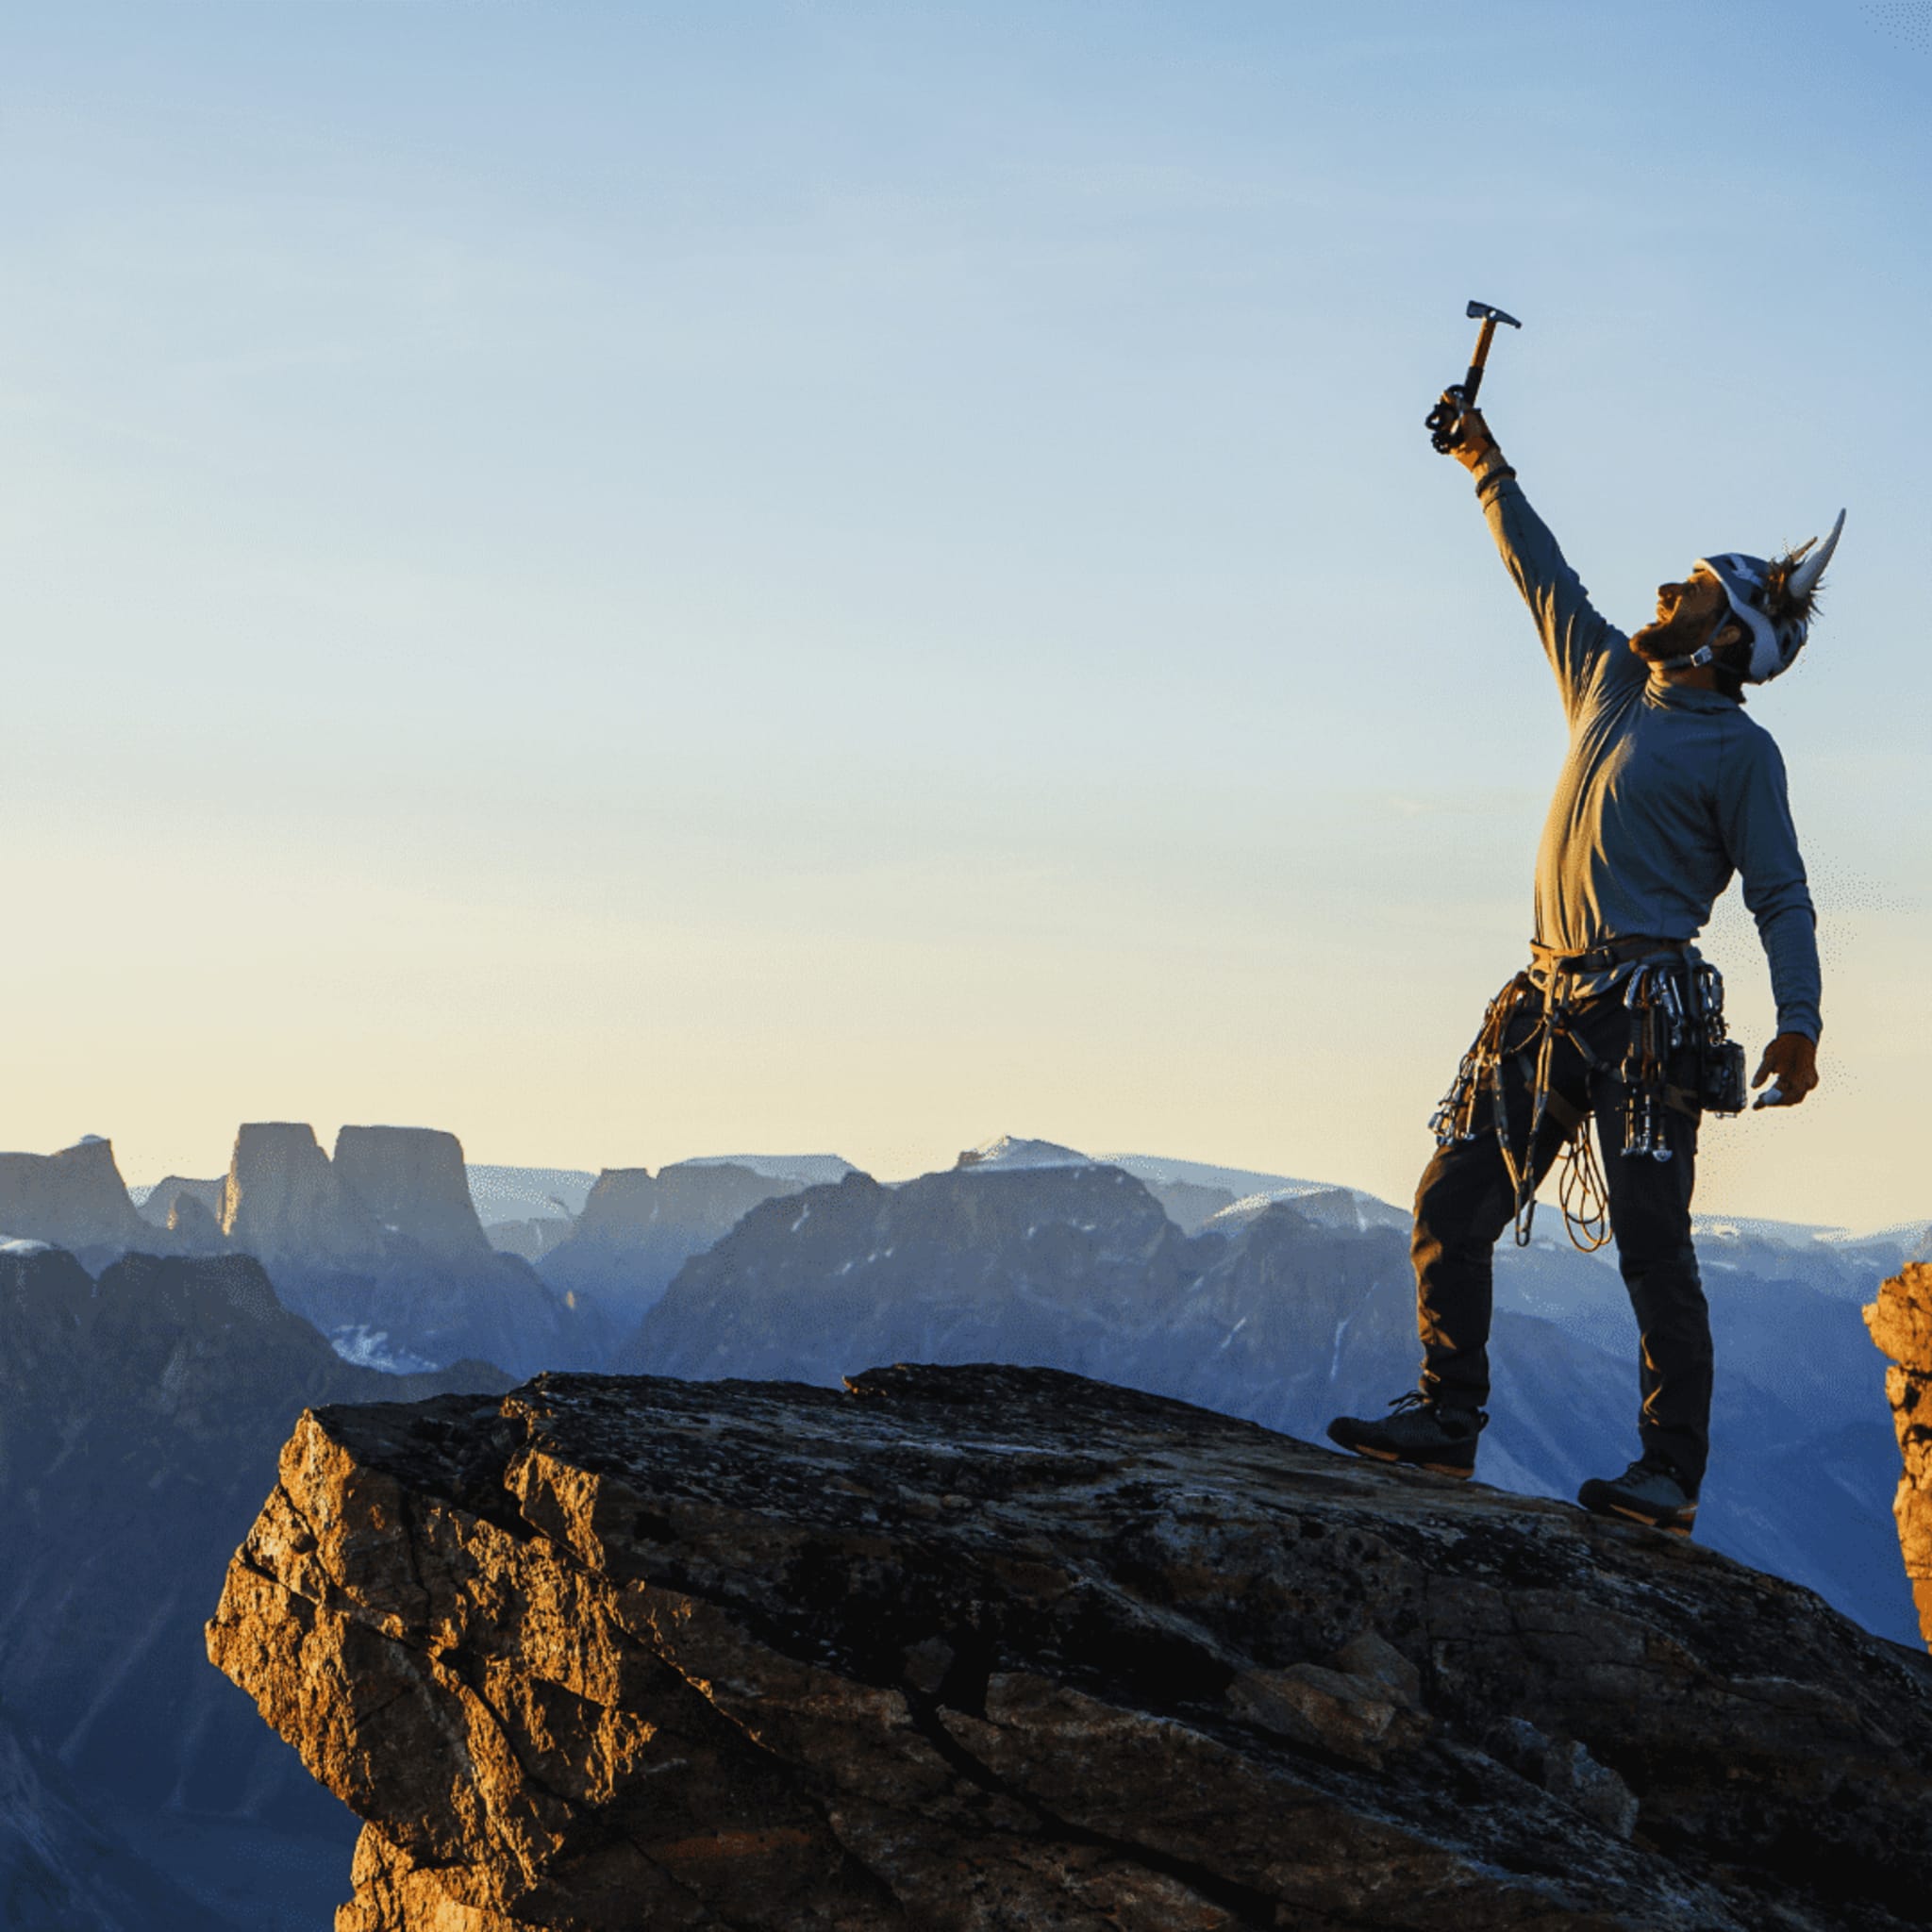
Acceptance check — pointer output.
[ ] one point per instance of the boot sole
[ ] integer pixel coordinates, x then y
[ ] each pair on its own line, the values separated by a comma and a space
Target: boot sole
1460, 1474
1677, 1525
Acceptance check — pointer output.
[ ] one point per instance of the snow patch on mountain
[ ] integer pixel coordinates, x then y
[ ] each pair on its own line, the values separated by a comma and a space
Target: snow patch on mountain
1008, 1152
808, 1170
366, 1348
1340, 1208
525, 1194
1160, 1170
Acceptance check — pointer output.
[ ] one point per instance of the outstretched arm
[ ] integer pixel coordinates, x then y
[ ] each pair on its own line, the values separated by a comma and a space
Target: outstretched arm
1576, 635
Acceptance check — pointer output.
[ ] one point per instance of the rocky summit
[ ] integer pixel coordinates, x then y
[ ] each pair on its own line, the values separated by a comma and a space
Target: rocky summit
999, 1648
1286, 1313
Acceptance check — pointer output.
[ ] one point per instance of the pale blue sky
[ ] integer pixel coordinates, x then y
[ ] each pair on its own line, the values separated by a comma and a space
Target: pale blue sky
634, 580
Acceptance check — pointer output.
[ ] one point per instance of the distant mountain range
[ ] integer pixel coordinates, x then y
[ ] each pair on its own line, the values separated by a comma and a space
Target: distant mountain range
157, 1344
1293, 1303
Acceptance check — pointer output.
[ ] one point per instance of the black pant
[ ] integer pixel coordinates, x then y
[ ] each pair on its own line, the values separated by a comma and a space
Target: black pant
1463, 1204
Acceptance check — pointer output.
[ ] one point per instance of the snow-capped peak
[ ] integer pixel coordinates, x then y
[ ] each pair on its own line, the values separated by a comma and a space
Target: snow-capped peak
1008, 1152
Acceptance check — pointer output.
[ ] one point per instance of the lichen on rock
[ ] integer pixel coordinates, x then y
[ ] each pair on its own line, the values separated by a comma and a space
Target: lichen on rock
987, 1648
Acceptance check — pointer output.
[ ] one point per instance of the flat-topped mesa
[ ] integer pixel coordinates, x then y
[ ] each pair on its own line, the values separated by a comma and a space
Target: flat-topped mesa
1901, 1323
413, 1180
284, 1199
75, 1199
972, 1649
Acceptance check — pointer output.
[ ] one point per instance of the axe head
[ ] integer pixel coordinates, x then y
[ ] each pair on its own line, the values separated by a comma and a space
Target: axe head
1487, 313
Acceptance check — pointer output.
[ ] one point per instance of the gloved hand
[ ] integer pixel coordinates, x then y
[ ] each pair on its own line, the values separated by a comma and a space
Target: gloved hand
1790, 1063
1477, 446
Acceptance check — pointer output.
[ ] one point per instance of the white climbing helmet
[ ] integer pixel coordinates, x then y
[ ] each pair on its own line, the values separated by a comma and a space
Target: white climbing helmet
1774, 600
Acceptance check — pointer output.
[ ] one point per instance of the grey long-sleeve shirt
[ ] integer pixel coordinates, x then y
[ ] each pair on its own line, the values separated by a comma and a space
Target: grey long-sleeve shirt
1666, 793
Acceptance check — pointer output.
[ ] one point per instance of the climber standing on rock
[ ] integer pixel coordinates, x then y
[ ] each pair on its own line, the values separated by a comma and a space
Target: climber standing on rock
1668, 789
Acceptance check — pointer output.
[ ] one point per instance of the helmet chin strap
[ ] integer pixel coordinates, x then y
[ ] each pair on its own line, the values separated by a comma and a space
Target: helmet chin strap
1705, 653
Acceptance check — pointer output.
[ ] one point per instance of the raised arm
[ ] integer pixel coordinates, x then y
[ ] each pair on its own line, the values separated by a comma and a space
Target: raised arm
1576, 638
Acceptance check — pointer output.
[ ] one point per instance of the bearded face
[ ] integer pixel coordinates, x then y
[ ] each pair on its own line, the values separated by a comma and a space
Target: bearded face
1687, 615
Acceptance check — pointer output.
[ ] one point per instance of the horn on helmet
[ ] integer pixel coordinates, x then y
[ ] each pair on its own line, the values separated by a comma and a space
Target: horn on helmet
1804, 575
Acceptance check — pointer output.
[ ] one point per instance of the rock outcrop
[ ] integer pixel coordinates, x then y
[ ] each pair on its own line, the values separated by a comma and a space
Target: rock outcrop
411, 1180
75, 1199
1901, 1323
1286, 1313
999, 1648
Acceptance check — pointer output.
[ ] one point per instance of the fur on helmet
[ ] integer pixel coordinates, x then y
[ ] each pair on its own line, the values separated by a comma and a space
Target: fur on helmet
1774, 600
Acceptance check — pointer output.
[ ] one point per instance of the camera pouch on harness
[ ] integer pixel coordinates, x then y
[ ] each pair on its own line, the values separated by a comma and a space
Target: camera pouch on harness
1720, 1058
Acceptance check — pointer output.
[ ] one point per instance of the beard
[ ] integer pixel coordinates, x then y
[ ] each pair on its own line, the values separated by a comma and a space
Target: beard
1675, 636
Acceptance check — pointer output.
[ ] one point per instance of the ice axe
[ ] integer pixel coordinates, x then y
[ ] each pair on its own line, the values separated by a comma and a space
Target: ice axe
1443, 422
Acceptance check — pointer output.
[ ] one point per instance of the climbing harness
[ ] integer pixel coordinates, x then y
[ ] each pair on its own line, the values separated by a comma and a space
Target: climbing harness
1675, 1002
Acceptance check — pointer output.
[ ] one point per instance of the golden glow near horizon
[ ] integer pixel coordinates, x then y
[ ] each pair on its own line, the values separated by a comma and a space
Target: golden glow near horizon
839, 581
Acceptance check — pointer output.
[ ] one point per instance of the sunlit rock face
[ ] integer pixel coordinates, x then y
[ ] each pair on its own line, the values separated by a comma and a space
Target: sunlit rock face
75, 1199
411, 1180
1901, 1323
1000, 1648
284, 1199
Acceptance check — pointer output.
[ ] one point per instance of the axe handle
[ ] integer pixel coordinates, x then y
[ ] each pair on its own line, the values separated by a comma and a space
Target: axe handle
1474, 380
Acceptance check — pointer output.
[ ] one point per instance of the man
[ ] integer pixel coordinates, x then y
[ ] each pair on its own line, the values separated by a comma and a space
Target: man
1667, 791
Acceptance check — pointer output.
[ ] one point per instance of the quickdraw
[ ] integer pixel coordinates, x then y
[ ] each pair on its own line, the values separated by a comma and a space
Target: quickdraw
1657, 1032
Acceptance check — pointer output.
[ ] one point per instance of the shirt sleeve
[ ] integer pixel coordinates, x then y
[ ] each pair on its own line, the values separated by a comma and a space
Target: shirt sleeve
1755, 817
1577, 640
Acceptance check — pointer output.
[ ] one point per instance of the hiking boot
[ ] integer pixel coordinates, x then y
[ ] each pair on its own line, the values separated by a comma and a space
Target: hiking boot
1417, 1431
1650, 1490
